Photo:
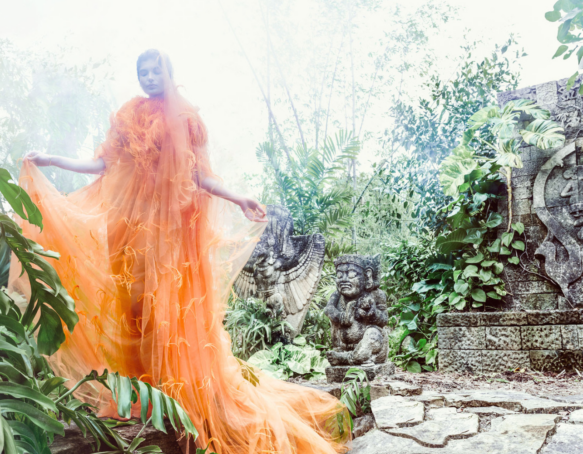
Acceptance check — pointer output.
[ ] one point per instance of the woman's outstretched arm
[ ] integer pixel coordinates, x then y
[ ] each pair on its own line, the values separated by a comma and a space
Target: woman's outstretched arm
92, 166
251, 208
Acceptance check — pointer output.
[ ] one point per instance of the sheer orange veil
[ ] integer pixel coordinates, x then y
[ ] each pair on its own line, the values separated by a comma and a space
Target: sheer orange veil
149, 257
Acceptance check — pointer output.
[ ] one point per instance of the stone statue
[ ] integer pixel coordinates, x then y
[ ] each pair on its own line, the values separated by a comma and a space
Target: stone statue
283, 270
358, 312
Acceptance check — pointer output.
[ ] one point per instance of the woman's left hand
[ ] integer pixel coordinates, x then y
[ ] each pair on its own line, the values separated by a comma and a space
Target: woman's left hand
253, 210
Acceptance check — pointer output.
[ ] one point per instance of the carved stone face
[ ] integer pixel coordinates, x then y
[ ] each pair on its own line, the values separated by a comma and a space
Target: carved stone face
350, 280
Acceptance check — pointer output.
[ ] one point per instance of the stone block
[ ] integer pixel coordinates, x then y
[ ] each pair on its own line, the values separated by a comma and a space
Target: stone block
529, 287
441, 425
541, 337
460, 361
568, 439
458, 319
462, 338
336, 374
526, 181
503, 318
554, 317
530, 168
556, 360
570, 335
396, 411
547, 93
378, 391
520, 193
503, 338
495, 361
538, 301
362, 425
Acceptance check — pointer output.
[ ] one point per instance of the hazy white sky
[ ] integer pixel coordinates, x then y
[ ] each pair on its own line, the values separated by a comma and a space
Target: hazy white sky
207, 59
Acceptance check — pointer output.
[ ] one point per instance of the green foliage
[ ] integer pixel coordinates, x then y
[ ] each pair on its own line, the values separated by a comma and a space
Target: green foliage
309, 183
355, 393
463, 272
291, 360
570, 15
32, 398
251, 327
430, 127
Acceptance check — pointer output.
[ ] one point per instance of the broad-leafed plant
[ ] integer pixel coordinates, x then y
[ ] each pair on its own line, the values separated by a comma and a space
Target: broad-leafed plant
464, 272
570, 34
34, 402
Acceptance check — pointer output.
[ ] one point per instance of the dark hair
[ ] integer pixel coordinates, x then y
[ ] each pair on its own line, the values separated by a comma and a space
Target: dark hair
154, 54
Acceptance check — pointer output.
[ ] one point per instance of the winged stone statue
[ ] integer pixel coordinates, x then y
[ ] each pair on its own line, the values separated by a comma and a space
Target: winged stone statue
283, 270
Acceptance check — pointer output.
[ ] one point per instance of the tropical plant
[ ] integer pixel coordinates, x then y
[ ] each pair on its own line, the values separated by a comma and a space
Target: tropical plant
312, 183
570, 14
463, 274
32, 397
429, 128
355, 392
252, 327
291, 360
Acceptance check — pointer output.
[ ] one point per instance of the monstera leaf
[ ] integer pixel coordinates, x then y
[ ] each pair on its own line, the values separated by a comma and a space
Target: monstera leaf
455, 168
543, 134
530, 108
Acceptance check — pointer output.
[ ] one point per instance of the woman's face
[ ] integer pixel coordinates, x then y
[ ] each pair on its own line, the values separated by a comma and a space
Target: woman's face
151, 78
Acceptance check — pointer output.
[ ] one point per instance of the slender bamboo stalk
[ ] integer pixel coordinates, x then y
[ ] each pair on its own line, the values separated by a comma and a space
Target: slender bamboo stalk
285, 148
332, 85
509, 184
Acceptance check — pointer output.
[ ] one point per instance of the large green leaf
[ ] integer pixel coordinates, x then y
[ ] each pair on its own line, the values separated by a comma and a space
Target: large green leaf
454, 169
543, 134
19, 200
35, 415
26, 392
453, 242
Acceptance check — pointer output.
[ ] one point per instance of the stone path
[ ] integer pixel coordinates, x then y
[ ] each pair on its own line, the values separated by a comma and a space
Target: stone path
409, 420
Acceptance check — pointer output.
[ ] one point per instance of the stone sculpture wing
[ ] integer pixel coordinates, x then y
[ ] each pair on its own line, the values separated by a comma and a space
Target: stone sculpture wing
245, 285
301, 278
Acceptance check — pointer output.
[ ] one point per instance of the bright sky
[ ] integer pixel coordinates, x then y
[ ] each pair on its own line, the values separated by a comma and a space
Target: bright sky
208, 62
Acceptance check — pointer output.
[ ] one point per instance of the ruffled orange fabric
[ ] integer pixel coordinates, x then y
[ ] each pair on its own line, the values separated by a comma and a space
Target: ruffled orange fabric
149, 258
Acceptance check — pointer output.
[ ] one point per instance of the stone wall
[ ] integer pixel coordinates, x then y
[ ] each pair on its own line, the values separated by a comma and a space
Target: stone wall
541, 199
491, 342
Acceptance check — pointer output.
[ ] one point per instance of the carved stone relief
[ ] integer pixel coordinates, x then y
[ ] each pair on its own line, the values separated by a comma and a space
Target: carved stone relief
558, 203
283, 270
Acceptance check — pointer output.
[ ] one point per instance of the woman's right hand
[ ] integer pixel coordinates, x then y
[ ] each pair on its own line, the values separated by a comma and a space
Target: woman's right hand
38, 158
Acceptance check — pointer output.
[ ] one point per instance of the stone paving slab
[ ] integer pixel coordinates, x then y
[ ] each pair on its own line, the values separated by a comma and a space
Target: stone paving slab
510, 400
441, 425
512, 434
576, 418
396, 411
401, 388
567, 440
498, 411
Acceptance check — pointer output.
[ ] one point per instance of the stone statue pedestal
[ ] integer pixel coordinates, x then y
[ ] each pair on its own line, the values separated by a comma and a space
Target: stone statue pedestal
336, 374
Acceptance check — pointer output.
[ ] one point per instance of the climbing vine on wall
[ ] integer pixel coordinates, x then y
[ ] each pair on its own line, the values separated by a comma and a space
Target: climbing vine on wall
464, 272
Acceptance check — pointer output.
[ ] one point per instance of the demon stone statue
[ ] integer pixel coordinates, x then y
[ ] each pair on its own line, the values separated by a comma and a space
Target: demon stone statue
358, 312
283, 270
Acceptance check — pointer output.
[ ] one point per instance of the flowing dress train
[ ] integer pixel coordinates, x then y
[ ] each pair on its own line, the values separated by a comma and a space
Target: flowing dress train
149, 258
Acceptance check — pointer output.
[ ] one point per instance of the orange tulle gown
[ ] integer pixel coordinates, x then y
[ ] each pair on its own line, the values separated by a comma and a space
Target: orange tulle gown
149, 258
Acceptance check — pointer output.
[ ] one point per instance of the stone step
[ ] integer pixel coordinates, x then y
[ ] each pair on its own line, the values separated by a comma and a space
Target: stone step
567, 440
396, 411
512, 434
440, 426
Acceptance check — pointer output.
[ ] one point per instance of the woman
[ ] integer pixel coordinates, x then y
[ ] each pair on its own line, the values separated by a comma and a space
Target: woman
149, 251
